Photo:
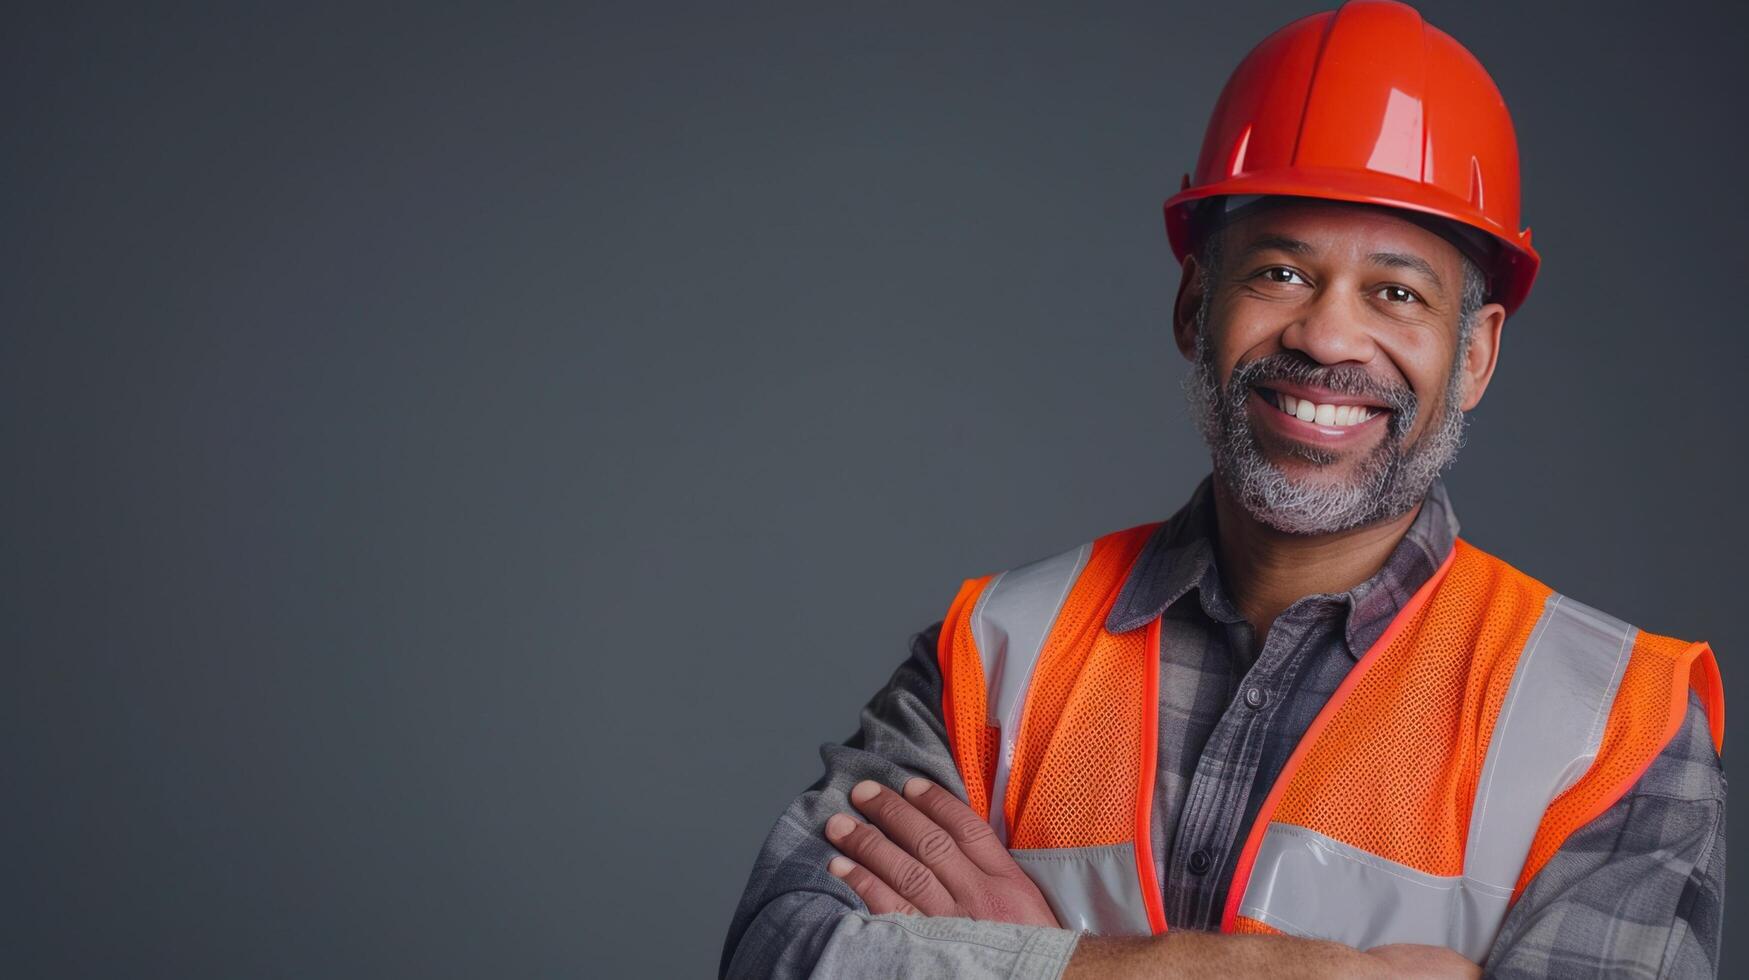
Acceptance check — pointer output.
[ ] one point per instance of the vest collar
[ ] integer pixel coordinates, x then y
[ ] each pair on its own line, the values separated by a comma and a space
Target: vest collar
1180, 556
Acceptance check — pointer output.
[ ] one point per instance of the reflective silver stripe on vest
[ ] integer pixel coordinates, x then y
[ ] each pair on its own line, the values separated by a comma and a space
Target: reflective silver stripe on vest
1009, 624
1548, 732
1307, 884
1092, 888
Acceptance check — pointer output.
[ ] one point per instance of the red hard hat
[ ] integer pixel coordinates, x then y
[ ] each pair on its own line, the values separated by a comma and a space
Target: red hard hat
1368, 103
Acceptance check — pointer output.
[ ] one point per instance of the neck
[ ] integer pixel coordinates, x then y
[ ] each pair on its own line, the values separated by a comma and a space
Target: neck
1266, 570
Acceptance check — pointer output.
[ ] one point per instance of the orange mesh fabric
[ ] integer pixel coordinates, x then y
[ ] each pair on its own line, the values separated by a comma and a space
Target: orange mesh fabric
1648, 711
1078, 761
963, 707
1394, 767
1394, 770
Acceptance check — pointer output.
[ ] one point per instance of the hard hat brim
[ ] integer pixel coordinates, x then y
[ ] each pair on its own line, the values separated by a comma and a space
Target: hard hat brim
1515, 265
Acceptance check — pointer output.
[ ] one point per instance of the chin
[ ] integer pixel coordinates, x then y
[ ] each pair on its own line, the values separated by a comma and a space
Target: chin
1347, 475
1313, 463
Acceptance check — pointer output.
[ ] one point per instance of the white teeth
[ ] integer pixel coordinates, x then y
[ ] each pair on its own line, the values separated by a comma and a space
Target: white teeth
1338, 415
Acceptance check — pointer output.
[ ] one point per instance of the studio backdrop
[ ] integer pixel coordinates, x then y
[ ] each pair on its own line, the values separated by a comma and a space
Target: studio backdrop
461, 461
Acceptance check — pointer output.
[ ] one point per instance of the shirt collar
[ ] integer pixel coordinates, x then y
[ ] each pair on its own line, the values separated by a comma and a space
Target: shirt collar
1180, 556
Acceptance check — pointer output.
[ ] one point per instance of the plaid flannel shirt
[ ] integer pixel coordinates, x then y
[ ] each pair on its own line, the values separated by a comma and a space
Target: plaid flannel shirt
1636, 892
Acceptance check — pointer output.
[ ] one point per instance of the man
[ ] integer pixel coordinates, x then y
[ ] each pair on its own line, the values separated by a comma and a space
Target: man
1300, 728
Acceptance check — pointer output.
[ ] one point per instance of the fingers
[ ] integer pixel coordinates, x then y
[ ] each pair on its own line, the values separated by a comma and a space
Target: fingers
920, 836
975, 838
867, 846
928, 853
874, 892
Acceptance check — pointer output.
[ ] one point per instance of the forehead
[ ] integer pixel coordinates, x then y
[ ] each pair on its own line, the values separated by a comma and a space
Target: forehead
1339, 230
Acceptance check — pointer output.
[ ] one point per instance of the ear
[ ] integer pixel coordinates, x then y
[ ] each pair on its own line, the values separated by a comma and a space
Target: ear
1185, 306
1484, 353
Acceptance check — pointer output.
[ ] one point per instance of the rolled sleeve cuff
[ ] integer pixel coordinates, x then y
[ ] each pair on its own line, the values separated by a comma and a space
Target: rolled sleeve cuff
911, 945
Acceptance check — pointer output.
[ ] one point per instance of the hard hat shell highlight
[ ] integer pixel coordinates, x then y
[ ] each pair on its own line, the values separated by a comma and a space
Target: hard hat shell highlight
1371, 104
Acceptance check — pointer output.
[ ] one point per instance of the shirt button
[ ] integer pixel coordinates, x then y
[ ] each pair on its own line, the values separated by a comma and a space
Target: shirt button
1200, 862
1255, 697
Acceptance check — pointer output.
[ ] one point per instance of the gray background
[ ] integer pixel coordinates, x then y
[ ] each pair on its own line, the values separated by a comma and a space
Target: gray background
460, 462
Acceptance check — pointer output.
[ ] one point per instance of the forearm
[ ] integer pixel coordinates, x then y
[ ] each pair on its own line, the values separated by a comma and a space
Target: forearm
784, 939
939, 946
793, 909
1188, 954
1639, 891
798, 920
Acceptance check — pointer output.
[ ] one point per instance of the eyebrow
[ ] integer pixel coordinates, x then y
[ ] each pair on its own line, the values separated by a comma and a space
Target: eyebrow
1275, 243
1399, 260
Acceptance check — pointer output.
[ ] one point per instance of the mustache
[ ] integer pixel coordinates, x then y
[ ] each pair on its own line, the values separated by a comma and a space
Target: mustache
1297, 368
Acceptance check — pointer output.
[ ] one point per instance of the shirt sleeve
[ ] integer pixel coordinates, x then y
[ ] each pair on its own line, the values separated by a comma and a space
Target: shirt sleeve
1639, 890
795, 918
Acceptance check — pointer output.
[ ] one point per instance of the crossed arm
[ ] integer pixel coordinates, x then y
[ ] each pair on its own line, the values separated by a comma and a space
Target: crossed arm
1636, 892
923, 852
797, 918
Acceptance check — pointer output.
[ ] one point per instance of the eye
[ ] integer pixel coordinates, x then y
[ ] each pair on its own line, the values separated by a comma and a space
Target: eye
1397, 294
1281, 274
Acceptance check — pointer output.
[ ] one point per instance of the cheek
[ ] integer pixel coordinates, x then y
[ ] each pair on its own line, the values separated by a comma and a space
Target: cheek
1244, 337
1425, 364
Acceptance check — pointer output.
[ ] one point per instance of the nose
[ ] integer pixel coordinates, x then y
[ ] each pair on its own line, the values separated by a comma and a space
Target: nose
1332, 329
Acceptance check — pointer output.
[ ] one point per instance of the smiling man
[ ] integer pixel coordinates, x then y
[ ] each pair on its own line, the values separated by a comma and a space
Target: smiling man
1301, 727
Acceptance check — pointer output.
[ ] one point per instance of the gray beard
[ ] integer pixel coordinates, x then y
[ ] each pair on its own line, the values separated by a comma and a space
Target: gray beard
1388, 483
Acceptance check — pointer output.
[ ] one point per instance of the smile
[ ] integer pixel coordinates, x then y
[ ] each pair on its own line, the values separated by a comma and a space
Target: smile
1322, 413
1302, 417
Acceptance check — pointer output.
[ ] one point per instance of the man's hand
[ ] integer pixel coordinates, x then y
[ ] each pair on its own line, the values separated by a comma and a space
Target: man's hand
935, 857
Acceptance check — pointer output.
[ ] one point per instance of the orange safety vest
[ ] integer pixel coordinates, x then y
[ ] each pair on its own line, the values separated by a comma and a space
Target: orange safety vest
1492, 718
